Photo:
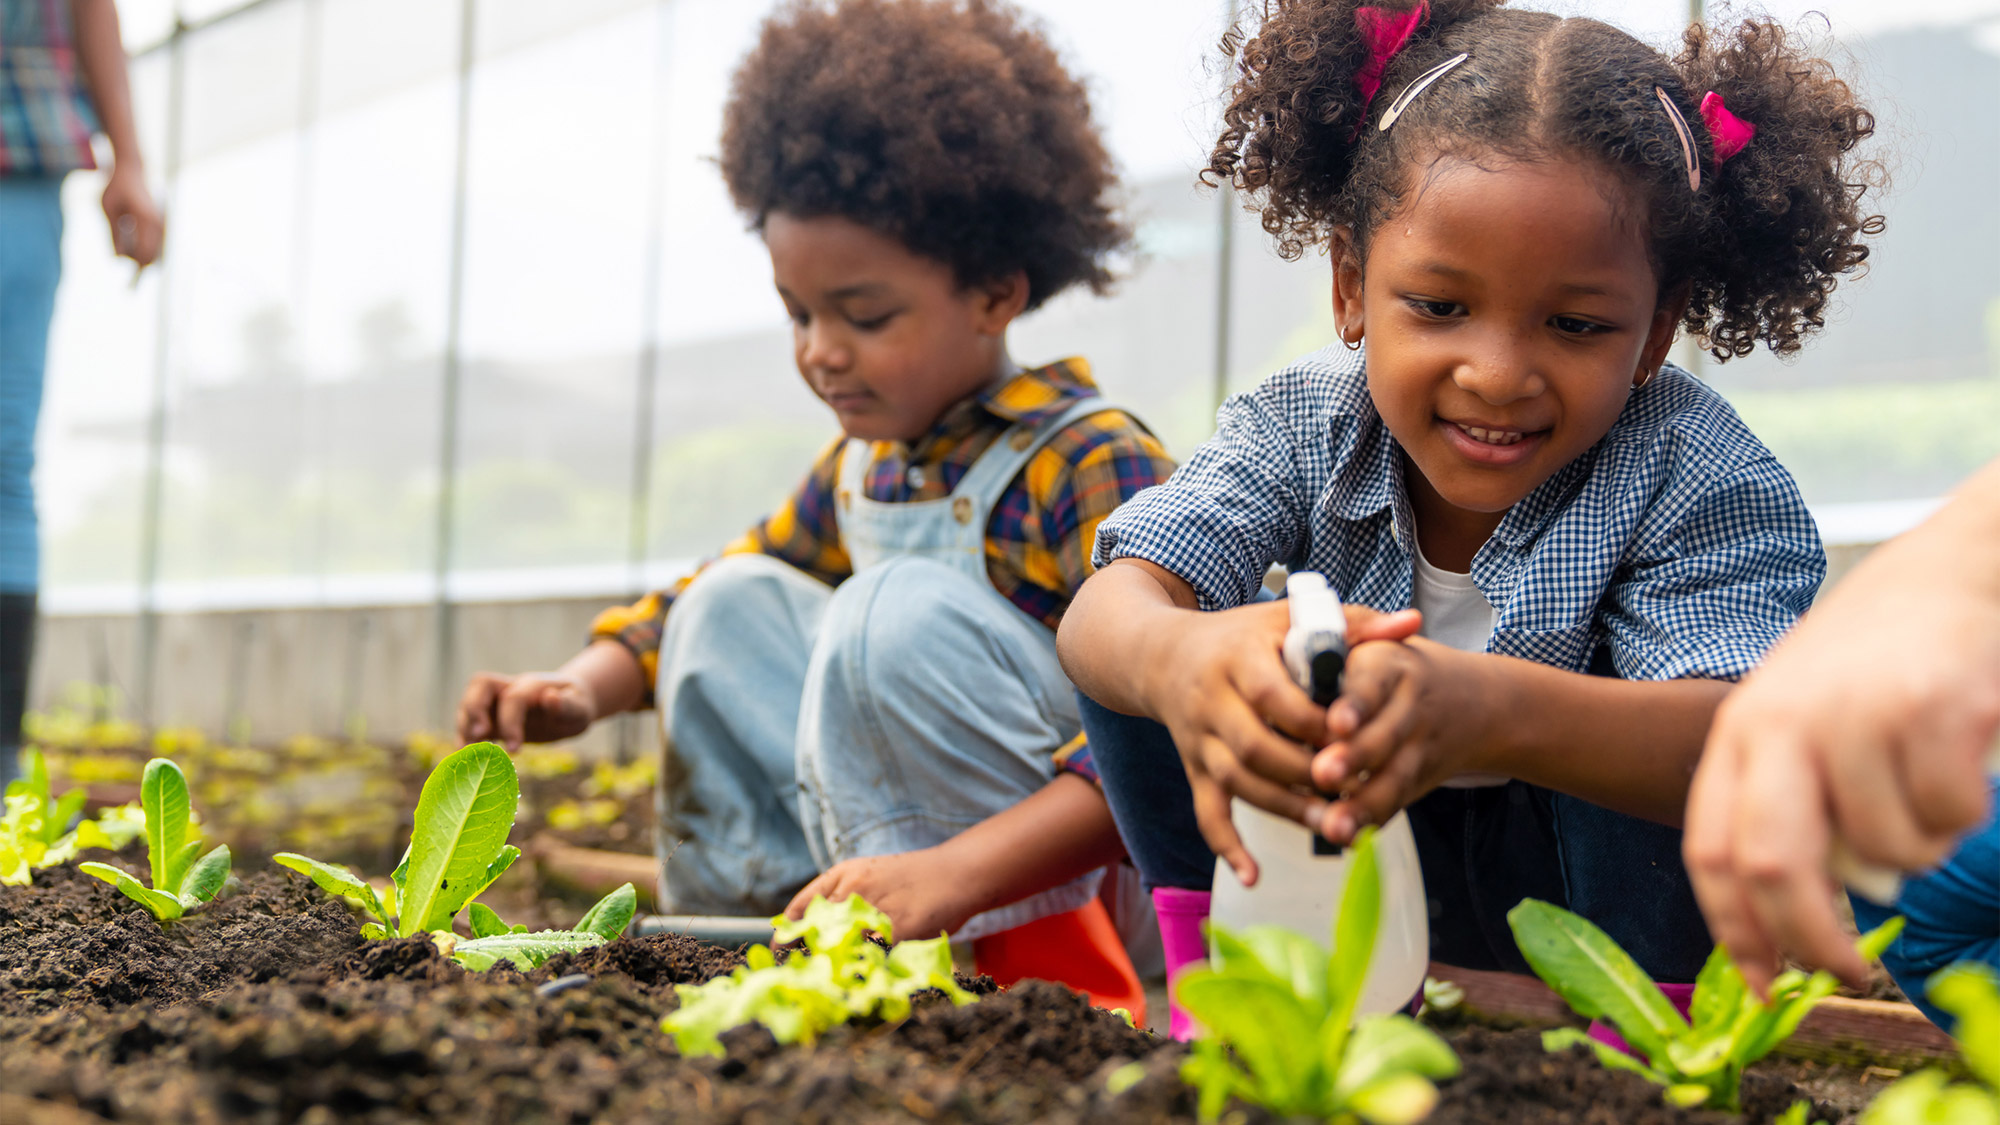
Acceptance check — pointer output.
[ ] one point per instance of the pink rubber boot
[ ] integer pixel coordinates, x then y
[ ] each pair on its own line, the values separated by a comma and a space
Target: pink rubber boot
1181, 913
1682, 998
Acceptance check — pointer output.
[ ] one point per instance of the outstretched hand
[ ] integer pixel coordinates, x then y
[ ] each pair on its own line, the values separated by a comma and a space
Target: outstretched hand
1243, 728
917, 890
533, 707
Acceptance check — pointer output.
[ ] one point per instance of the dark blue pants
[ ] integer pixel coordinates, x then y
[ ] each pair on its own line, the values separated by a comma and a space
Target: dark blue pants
1950, 915
1482, 850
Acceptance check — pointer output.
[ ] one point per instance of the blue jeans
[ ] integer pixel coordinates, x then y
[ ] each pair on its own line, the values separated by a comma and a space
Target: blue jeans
30, 264
807, 725
1950, 915
1482, 850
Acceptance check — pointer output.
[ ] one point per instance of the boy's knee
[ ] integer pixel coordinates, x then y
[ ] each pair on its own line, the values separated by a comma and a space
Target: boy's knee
730, 591
906, 623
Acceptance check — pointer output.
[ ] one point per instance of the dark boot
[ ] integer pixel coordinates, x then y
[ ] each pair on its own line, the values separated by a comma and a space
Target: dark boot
17, 649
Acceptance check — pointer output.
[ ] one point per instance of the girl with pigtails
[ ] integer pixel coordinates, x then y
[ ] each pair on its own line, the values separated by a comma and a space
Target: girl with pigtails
1581, 543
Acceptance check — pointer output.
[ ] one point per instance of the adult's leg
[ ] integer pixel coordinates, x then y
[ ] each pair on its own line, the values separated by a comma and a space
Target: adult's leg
931, 704
732, 664
1950, 915
30, 265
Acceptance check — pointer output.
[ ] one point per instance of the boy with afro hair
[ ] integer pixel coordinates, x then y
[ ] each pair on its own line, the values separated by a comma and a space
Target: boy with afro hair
861, 694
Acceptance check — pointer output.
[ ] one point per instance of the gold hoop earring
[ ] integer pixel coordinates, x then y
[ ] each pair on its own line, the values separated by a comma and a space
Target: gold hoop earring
1641, 383
1354, 344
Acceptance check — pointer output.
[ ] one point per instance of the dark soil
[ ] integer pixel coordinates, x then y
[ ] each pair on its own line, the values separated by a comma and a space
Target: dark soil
268, 1007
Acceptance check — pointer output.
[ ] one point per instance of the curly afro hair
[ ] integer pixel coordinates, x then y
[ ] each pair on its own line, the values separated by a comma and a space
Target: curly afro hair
948, 125
1758, 249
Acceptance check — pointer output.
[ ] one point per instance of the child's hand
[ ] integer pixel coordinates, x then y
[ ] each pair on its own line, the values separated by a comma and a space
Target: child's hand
1411, 716
1243, 728
919, 891
534, 707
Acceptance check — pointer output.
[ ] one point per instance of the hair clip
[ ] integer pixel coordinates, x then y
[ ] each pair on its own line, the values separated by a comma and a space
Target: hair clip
1385, 33
1410, 92
1730, 133
1686, 135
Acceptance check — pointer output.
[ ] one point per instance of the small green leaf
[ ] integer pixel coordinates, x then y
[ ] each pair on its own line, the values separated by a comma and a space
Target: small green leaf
463, 816
205, 877
1292, 959
1384, 1046
65, 810
160, 904
829, 926
1597, 978
335, 880
1611, 1058
1395, 1099
1124, 1078
524, 951
163, 794
497, 868
1353, 942
1267, 1026
1970, 991
375, 931
1872, 944
1686, 1095
1718, 992
484, 922
612, 913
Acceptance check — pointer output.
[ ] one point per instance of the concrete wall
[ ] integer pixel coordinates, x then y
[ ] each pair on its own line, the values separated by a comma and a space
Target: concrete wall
268, 674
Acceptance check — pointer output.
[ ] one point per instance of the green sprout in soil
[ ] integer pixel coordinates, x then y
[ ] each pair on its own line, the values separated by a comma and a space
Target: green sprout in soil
1279, 1026
183, 877
1970, 992
1700, 1064
841, 975
458, 848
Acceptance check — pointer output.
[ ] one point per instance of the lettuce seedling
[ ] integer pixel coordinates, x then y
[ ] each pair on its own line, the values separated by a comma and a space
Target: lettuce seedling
458, 848
1970, 992
841, 975
183, 877
1700, 1064
1279, 1026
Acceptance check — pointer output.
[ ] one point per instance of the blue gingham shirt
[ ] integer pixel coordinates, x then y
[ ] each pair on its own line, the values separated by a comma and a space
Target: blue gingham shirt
1677, 543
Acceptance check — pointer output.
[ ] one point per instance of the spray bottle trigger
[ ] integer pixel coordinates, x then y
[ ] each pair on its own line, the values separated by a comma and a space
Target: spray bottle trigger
1327, 666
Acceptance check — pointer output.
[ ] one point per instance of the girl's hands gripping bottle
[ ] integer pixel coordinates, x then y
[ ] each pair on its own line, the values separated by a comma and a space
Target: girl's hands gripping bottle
1302, 874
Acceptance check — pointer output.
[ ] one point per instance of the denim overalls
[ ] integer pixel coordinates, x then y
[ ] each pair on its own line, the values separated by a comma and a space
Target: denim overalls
806, 725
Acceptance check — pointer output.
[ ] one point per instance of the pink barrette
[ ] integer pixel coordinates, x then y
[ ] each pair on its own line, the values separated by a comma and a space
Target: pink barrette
1732, 134
1385, 33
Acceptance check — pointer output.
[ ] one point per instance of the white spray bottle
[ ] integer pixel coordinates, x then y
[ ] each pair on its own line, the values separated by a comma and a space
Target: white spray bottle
1302, 875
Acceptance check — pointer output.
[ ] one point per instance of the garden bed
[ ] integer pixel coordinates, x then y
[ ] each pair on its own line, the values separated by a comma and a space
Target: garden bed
269, 1006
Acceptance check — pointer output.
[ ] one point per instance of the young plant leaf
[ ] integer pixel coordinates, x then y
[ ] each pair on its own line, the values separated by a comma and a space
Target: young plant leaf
160, 904
1382, 1046
484, 922
336, 880
1971, 993
1395, 1099
524, 951
1597, 978
204, 878
1353, 942
163, 794
463, 816
612, 913
1611, 1058
66, 809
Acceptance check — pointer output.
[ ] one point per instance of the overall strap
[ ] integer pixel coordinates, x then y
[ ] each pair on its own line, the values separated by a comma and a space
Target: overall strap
987, 480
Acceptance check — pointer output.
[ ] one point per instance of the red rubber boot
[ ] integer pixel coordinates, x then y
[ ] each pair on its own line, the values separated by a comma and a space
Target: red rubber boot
1079, 949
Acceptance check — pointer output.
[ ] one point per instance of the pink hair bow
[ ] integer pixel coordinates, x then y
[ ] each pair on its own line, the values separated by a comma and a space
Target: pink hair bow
1732, 134
1386, 33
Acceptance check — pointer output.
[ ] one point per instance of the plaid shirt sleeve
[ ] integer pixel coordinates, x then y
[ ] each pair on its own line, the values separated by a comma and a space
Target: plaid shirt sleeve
802, 532
1241, 503
1732, 567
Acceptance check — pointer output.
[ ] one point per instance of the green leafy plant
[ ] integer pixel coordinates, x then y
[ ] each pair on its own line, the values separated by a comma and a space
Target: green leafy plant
1970, 992
1700, 1063
183, 876
1279, 1026
841, 975
458, 848
34, 822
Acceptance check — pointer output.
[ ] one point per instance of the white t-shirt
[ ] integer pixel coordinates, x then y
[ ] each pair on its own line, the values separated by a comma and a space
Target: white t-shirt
1458, 616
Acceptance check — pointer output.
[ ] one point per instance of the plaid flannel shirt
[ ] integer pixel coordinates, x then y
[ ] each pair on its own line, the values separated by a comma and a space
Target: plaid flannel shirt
1677, 545
46, 120
1037, 540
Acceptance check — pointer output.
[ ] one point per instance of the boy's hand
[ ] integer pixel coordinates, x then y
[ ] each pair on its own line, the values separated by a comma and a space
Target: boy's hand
1243, 728
919, 891
1410, 717
534, 707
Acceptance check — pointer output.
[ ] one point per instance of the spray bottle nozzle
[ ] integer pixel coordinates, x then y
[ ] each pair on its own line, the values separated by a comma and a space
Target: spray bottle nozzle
1316, 644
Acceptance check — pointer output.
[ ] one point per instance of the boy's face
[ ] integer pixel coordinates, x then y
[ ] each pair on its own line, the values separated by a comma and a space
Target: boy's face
885, 337
1508, 310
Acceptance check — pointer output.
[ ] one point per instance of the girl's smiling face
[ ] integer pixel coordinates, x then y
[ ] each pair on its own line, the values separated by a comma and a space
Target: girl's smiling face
1509, 308
886, 337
